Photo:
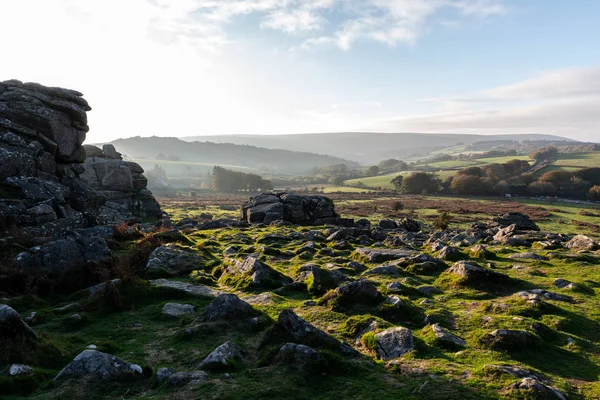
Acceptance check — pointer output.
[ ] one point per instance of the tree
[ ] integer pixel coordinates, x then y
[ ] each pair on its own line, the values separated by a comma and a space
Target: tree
470, 171
373, 171
420, 182
469, 184
397, 181
594, 193
545, 153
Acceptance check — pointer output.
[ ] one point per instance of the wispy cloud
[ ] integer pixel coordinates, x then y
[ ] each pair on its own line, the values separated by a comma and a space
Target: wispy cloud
339, 22
562, 102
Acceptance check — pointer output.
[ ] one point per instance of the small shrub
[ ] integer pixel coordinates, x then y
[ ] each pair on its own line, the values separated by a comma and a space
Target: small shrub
369, 341
442, 221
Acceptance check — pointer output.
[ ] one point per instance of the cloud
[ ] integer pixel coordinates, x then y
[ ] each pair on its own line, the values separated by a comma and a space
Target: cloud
343, 22
564, 102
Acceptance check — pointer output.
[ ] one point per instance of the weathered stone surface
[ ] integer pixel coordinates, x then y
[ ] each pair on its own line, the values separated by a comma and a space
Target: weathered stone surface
447, 338
582, 242
529, 255
394, 342
305, 333
521, 221
121, 182
357, 292
450, 253
68, 262
163, 374
172, 260
298, 355
194, 290
222, 357
227, 307
99, 365
178, 310
382, 255
292, 208
20, 370
183, 378
473, 273
509, 339
254, 274
16, 337
536, 389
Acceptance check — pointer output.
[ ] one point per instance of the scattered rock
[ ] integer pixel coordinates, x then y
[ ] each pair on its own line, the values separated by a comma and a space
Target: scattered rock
179, 379
171, 260
20, 370
305, 333
163, 374
473, 273
384, 270
251, 273
357, 292
227, 307
447, 338
521, 221
100, 365
222, 357
509, 339
450, 254
15, 335
382, 255
188, 288
178, 310
527, 256
298, 355
394, 342
582, 243
536, 389
292, 208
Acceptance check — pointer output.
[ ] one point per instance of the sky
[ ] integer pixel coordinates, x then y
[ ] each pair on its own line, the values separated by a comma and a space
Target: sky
210, 67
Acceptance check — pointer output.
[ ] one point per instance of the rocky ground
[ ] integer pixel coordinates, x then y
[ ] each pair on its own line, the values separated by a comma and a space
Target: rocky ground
219, 308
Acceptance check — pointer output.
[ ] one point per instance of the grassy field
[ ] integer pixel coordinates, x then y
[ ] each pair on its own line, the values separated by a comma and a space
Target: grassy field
580, 160
127, 321
446, 169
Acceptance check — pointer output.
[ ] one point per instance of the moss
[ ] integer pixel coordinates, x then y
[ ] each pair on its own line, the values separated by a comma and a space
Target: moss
369, 342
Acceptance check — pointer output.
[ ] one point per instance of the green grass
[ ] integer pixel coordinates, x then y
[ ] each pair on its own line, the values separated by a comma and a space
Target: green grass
138, 332
579, 160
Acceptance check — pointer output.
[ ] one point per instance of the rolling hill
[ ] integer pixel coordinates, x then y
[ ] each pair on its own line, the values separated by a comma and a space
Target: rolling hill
201, 156
368, 148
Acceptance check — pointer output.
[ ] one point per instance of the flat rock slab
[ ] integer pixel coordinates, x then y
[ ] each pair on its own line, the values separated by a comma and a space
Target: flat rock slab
380, 255
178, 310
194, 290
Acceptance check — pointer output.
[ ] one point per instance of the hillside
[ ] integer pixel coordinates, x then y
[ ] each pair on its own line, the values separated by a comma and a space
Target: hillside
367, 148
201, 156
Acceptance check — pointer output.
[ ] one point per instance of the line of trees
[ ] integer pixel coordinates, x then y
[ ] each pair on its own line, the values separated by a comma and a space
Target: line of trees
225, 180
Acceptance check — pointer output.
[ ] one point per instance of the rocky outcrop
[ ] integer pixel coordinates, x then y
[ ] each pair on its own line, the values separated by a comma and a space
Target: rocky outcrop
45, 203
41, 154
122, 183
270, 207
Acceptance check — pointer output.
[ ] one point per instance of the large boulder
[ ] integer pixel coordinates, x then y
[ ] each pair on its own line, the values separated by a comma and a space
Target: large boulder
67, 263
582, 243
121, 182
227, 307
521, 221
394, 342
103, 366
298, 356
292, 208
